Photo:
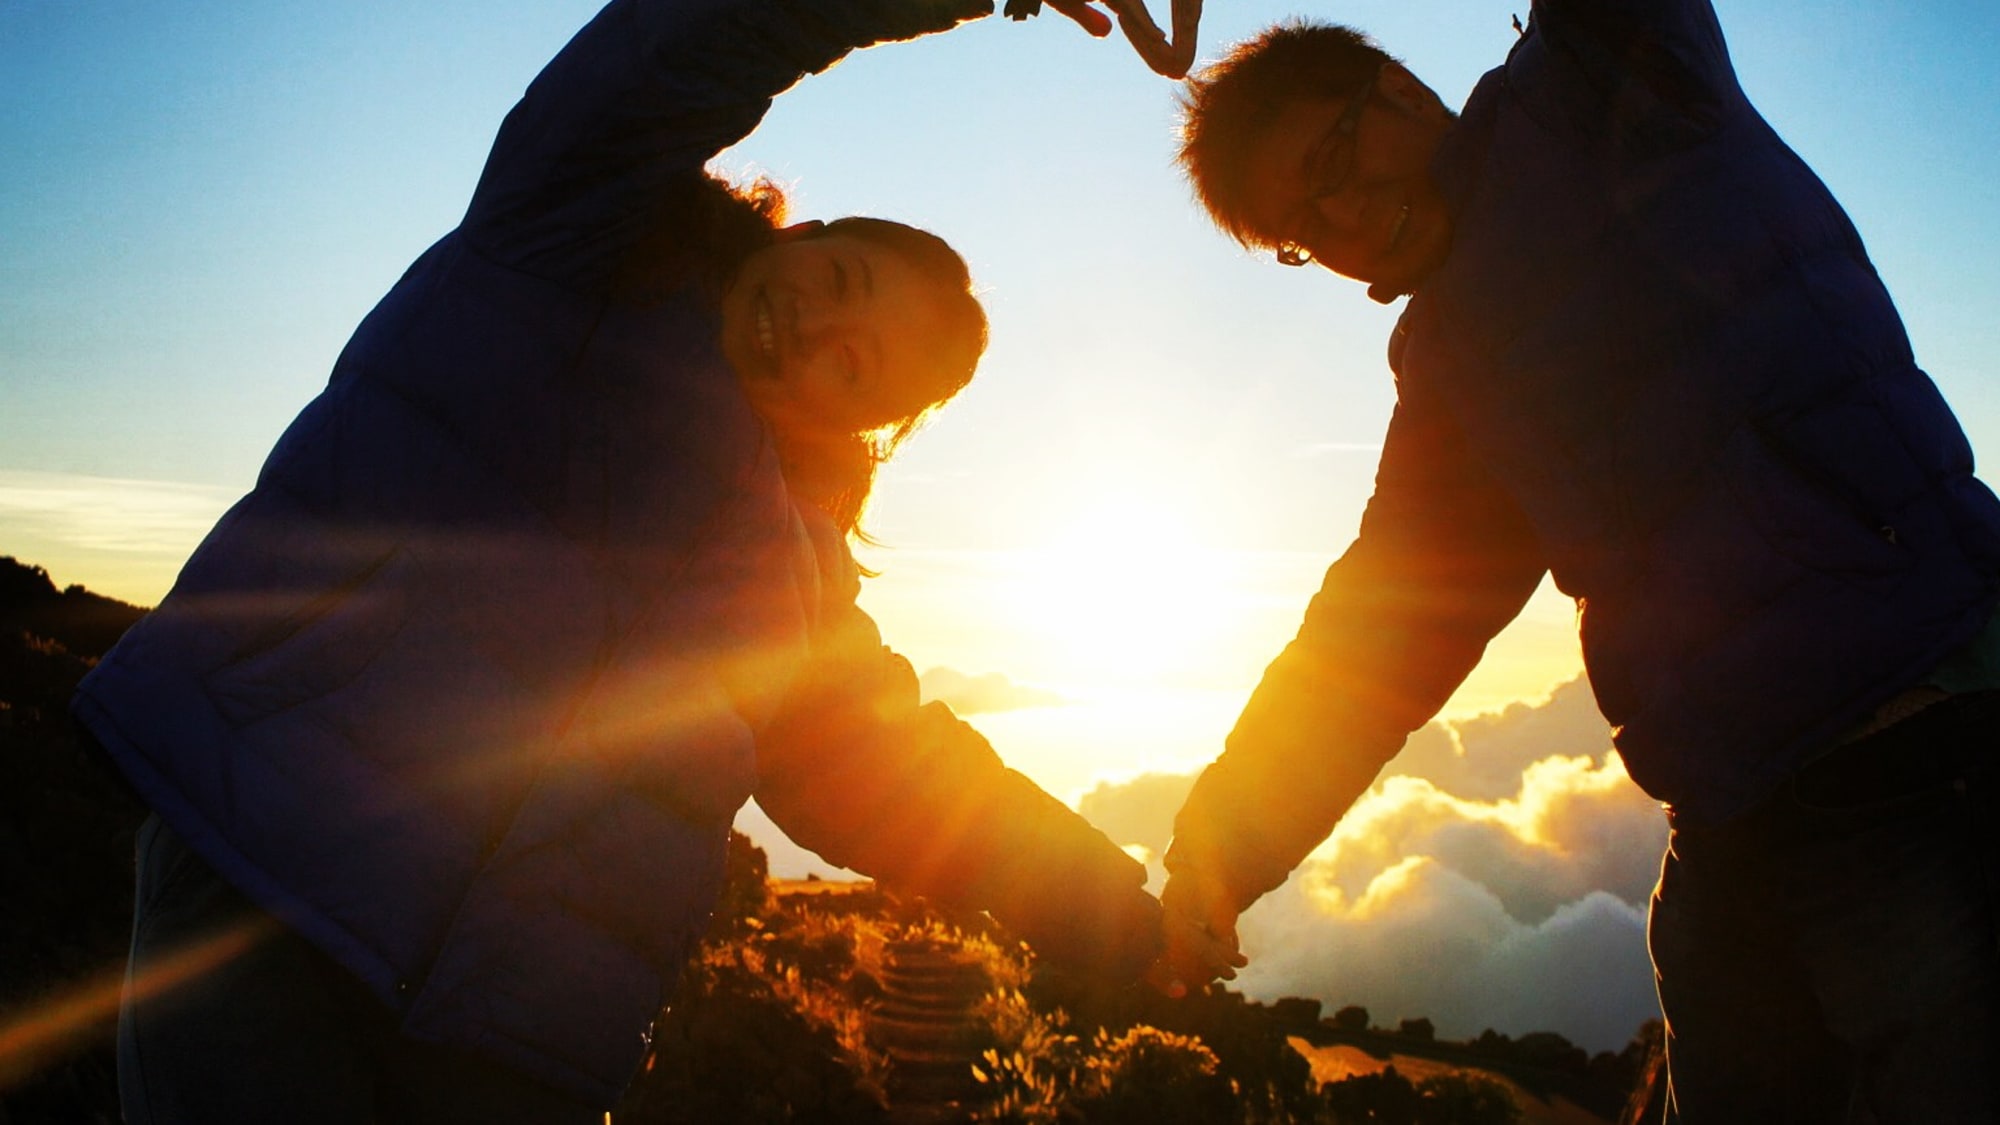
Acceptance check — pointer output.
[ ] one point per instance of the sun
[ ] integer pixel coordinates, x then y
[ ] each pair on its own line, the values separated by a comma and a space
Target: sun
1123, 592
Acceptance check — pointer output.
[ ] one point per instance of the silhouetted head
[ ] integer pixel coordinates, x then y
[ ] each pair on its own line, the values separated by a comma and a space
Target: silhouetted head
1311, 142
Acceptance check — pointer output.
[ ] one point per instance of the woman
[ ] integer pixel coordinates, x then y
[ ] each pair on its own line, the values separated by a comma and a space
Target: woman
445, 723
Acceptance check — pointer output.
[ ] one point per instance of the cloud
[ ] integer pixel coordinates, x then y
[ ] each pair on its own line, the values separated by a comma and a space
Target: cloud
973, 695
1573, 826
110, 514
122, 538
1139, 812
1427, 940
1495, 876
1482, 758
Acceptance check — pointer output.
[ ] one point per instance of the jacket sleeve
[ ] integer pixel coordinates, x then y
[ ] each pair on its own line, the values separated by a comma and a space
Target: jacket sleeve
1443, 561
645, 95
855, 768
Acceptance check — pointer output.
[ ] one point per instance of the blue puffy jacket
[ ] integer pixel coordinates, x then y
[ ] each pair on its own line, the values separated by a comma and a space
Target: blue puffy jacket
1657, 364
519, 612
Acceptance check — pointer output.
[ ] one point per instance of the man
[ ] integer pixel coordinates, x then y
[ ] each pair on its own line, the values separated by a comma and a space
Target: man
1644, 351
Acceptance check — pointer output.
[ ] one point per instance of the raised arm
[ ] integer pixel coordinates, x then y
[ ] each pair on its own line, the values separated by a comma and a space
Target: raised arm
645, 95
1443, 561
858, 770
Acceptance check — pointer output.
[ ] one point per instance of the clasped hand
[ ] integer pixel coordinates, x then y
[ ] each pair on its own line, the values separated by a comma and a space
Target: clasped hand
1199, 917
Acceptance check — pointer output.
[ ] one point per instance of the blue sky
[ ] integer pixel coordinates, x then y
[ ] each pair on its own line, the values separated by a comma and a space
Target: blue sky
1168, 441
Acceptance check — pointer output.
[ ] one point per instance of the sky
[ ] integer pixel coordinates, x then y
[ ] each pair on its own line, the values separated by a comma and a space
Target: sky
1097, 547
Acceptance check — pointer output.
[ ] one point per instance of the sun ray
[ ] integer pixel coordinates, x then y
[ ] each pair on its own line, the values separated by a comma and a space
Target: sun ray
65, 1022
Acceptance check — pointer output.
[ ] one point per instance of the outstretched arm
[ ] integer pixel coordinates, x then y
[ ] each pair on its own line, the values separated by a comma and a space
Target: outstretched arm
640, 100
857, 769
1443, 561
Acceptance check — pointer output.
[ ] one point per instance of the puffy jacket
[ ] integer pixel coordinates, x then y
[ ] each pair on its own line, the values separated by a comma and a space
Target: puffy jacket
520, 611
1658, 364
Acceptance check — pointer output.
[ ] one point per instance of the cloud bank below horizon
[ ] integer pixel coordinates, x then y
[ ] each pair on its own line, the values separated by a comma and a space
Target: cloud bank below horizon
1496, 876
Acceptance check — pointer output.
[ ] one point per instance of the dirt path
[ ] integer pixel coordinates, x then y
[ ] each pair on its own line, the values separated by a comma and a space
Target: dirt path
924, 1024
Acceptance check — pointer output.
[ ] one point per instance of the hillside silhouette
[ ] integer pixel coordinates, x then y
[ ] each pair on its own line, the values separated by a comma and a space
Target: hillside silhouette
66, 825
808, 1001
83, 623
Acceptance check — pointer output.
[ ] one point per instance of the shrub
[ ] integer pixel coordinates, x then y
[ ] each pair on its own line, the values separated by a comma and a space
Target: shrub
1452, 1098
1461, 1097
1151, 1077
1351, 1018
769, 1021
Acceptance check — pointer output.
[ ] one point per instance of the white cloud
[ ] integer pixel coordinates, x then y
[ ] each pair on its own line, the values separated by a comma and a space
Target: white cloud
111, 514
1525, 914
1483, 757
1574, 826
122, 538
1426, 940
1496, 877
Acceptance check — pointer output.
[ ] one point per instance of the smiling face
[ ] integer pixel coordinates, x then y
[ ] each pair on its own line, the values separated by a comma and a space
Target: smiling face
1359, 202
836, 333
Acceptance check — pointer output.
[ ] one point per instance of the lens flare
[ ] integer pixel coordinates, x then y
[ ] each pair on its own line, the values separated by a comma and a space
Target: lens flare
68, 1021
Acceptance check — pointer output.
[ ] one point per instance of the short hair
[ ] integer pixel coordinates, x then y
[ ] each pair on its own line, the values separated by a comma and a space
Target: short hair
1227, 106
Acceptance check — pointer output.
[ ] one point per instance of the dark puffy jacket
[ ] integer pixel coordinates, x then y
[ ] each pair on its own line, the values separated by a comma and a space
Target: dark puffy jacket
1658, 364
520, 610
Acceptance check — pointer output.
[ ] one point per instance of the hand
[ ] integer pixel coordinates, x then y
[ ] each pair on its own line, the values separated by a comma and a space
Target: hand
1171, 58
1200, 922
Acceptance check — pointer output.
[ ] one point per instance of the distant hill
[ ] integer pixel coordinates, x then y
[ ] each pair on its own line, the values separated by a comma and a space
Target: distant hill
84, 623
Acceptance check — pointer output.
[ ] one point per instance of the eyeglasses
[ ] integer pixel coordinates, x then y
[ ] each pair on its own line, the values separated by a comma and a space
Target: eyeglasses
1332, 163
